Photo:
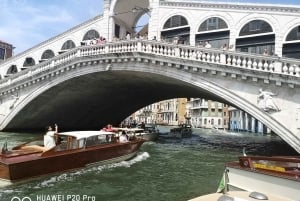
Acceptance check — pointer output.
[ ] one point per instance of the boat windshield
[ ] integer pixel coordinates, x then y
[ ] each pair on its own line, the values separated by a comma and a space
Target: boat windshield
83, 139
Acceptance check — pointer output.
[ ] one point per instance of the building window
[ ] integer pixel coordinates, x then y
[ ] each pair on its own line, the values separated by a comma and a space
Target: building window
2, 53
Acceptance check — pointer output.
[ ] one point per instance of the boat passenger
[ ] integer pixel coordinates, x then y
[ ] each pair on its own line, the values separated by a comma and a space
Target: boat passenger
49, 141
123, 138
108, 128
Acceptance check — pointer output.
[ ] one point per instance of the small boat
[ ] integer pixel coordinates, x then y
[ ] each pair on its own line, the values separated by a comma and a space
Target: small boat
259, 178
239, 196
147, 134
183, 131
76, 149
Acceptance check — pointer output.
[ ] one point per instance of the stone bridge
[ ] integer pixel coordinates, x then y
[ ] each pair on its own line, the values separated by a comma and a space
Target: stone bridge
90, 86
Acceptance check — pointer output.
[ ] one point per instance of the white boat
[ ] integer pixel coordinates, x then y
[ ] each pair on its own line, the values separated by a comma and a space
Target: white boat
239, 196
275, 178
147, 134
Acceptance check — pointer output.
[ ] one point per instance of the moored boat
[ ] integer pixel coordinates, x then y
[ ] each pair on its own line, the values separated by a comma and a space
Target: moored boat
271, 178
73, 150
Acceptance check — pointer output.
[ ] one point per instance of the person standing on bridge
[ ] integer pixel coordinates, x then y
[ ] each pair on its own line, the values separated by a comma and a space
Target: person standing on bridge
49, 141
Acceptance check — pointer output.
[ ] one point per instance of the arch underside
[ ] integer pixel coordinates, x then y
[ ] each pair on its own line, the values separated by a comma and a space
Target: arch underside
94, 100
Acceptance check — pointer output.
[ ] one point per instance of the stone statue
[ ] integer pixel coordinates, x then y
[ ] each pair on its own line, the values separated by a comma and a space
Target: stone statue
265, 101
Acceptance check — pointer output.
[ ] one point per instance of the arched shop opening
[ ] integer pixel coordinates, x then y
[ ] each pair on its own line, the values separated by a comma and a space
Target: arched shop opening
130, 18
177, 30
291, 47
215, 31
256, 36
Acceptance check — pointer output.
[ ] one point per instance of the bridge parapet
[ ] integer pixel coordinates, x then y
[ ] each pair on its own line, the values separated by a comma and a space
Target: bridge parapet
288, 68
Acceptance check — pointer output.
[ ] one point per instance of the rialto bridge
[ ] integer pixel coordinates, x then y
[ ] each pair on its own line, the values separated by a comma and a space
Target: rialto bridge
86, 86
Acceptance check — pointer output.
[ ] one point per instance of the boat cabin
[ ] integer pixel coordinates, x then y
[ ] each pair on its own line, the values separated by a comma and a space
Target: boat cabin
83, 139
64, 141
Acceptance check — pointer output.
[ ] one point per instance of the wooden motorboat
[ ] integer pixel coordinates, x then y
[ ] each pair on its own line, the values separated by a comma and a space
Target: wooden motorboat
259, 178
73, 150
270, 175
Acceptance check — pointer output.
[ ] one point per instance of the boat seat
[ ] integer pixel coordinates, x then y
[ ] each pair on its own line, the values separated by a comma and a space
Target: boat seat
34, 148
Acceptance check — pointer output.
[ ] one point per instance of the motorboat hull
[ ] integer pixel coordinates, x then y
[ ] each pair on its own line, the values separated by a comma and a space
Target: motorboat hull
250, 180
18, 167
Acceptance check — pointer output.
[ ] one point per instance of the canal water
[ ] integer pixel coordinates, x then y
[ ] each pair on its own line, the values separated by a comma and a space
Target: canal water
165, 170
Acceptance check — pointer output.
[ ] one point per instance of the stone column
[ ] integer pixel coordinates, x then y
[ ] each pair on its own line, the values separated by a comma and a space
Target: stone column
252, 124
260, 127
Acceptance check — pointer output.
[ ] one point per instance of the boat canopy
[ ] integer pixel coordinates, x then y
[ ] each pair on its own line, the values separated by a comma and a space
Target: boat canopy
85, 134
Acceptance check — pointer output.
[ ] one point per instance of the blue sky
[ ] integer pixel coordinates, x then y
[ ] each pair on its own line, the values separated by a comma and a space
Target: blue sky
25, 23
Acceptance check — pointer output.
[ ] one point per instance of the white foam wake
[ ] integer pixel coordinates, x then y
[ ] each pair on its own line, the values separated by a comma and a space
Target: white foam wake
97, 169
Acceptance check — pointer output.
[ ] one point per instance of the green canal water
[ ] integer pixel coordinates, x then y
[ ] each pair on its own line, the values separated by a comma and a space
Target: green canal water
165, 170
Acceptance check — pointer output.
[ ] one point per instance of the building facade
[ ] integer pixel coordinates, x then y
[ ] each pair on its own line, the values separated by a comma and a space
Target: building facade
208, 114
241, 121
6, 51
167, 112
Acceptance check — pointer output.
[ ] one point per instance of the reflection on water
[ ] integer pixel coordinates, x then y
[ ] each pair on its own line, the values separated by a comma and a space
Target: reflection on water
168, 169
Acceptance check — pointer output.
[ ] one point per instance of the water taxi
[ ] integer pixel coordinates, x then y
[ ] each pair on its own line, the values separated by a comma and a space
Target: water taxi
182, 131
259, 178
73, 150
147, 133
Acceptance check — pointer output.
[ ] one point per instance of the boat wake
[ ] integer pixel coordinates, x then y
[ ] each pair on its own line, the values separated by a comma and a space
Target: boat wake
95, 169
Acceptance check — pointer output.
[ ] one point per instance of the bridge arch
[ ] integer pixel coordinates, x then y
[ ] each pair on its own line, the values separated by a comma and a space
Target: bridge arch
125, 15
169, 80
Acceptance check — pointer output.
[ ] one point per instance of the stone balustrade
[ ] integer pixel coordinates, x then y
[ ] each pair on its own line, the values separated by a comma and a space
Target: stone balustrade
271, 64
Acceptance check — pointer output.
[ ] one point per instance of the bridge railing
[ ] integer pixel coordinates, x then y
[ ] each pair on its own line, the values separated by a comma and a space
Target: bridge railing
272, 64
